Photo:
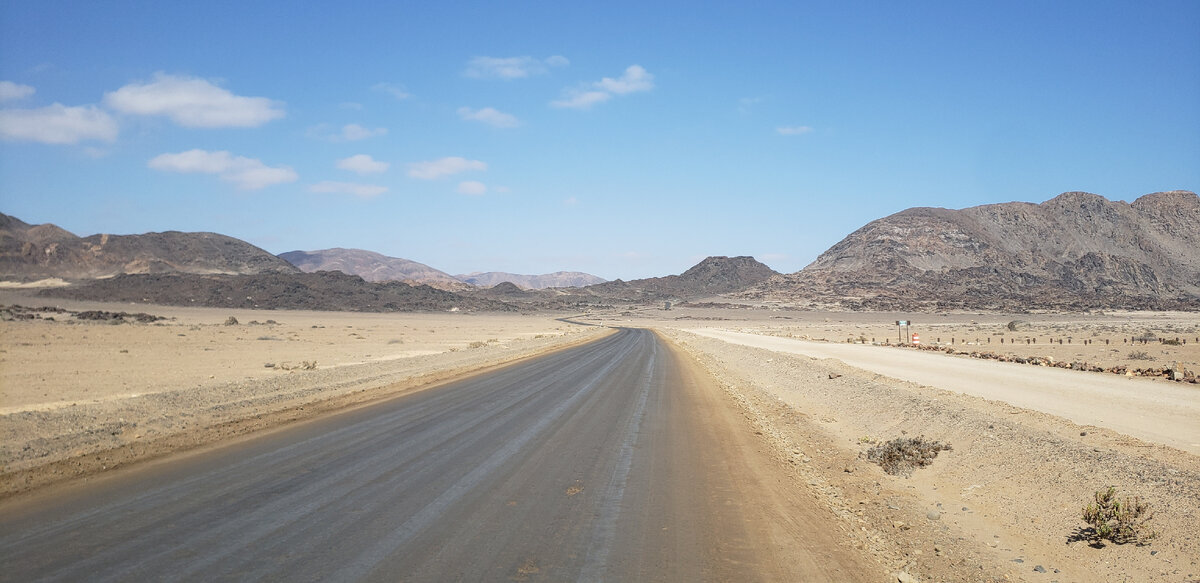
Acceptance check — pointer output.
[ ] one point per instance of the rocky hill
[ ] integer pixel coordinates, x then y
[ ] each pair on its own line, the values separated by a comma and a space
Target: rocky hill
1075, 251
372, 266
548, 280
30, 252
710, 277
323, 290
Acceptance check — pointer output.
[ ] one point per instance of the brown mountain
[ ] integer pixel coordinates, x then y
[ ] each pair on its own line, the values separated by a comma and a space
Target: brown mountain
372, 267
1075, 251
710, 277
556, 279
322, 290
29, 252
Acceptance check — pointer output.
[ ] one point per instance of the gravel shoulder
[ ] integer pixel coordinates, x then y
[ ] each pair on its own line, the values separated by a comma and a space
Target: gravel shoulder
1003, 504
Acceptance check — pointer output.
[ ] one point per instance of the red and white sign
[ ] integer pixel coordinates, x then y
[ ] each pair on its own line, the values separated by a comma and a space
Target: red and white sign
916, 339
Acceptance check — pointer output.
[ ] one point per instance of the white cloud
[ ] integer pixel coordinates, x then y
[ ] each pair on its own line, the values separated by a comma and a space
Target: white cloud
351, 188
362, 164
11, 91
793, 130
511, 67
472, 187
246, 173
635, 79
58, 124
489, 116
581, 99
193, 102
353, 132
397, 91
443, 167
748, 104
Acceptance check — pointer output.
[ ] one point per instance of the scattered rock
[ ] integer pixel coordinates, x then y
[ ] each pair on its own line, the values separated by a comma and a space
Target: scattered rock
904, 577
231, 321
834, 375
1040, 569
933, 515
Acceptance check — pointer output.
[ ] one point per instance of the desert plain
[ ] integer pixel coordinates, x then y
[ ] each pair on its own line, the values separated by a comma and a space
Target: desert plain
78, 397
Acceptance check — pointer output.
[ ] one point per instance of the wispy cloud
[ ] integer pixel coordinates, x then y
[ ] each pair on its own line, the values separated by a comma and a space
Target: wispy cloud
58, 124
472, 188
748, 104
397, 91
441, 167
11, 91
489, 116
353, 132
512, 67
245, 173
635, 79
362, 164
576, 99
350, 132
193, 102
793, 130
351, 188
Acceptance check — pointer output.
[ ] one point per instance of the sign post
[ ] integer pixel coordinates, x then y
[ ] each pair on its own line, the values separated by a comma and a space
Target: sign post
902, 327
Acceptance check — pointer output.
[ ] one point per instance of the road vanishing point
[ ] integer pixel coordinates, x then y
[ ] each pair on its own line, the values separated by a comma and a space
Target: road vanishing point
616, 460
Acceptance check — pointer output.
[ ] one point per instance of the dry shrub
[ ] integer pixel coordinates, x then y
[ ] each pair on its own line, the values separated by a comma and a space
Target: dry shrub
900, 456
1119, 521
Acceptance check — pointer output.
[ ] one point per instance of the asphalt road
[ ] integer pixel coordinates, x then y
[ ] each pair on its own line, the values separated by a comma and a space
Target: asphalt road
611, 461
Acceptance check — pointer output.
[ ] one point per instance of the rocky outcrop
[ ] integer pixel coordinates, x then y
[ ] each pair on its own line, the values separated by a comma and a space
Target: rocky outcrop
1075, 251
29, 252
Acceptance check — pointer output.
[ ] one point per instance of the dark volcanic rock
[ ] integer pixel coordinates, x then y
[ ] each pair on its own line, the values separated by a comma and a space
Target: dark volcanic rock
323, 290
1075, 251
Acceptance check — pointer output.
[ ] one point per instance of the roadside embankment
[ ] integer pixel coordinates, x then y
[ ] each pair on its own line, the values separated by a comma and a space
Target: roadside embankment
1004, 504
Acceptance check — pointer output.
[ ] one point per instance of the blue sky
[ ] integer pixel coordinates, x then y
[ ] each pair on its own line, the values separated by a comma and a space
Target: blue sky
622, 139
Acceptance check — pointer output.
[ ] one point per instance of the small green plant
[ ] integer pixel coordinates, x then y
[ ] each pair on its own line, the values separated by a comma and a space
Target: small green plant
1119, 521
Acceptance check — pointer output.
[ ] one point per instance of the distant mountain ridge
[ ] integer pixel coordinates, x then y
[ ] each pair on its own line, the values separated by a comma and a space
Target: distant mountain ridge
548, 280
713, 276
29, 252
372, 266
1076, 251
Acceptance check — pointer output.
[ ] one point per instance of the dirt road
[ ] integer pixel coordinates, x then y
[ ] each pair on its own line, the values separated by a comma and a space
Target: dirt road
1154, 411
615, 460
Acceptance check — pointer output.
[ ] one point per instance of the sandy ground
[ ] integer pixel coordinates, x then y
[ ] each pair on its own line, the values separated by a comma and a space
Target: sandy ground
78, 396
1005, 502
1150, 409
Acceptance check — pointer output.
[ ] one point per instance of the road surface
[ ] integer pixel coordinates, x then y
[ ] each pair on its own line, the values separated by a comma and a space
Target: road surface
1154, 411
611, 461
